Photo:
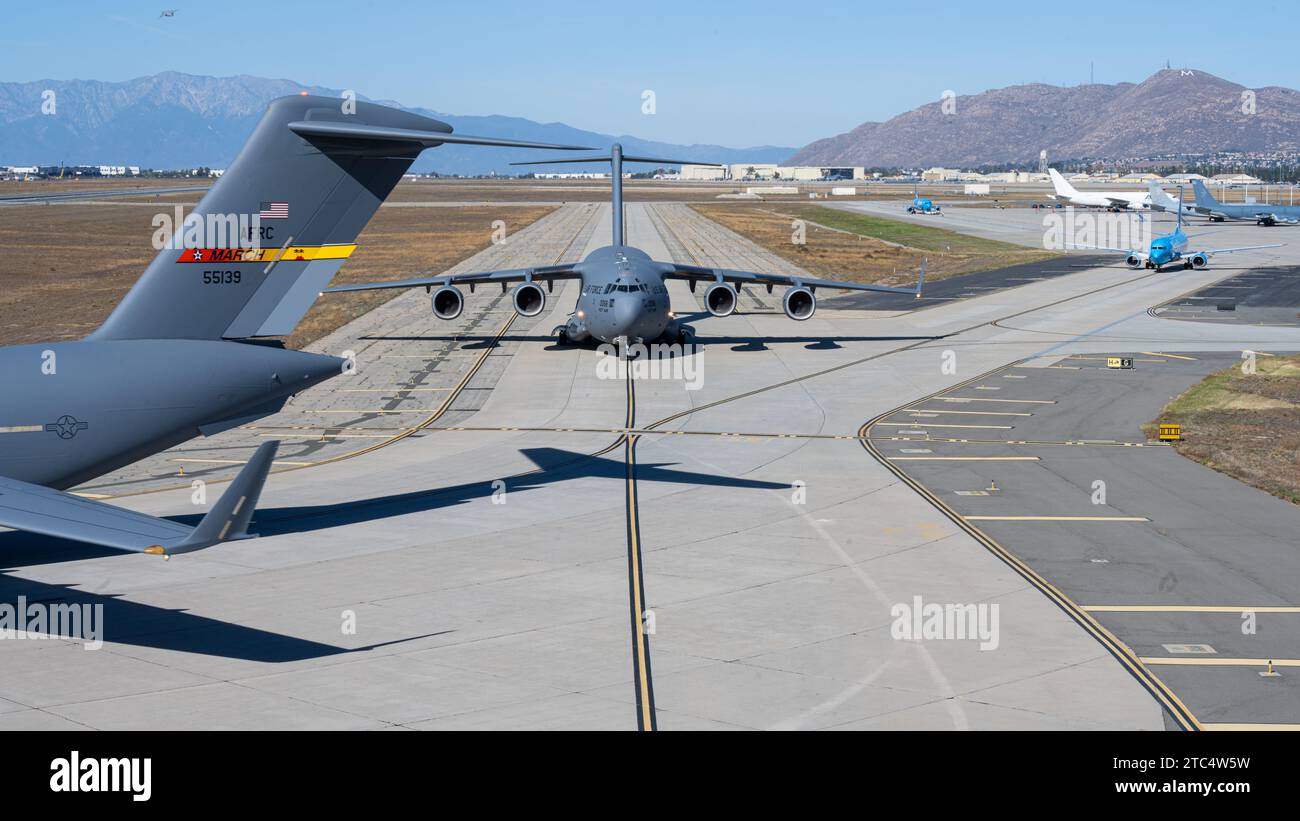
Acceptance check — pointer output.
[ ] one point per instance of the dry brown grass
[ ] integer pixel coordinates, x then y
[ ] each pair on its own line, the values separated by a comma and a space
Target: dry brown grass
401, 243
1247, 426
64, 267
865, 248
17, 187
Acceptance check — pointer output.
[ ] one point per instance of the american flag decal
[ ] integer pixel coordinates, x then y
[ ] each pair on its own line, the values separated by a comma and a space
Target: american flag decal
274, 211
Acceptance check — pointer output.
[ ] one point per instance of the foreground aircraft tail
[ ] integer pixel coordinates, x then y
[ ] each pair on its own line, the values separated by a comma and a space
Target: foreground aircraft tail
1060, 185
273, 230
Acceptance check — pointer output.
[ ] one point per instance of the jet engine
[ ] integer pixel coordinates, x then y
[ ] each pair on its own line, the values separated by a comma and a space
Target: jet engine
448, 302
1200, 261
529, 299
720, 299
1134, 261
799, 303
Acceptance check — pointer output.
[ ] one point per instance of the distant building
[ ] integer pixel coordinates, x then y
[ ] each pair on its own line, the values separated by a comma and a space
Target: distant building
1141, 178
771, 171
575, 175
703, 172
1237, 179
939, 174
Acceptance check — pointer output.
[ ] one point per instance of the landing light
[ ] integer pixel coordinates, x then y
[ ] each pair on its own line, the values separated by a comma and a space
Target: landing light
581, 314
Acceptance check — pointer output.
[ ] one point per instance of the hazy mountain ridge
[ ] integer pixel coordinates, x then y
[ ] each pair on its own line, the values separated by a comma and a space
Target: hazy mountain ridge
1173, 111
175, 120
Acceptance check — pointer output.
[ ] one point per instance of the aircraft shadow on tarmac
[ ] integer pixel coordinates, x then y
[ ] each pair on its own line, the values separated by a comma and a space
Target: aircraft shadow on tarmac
144, 625
739, 343
163, 628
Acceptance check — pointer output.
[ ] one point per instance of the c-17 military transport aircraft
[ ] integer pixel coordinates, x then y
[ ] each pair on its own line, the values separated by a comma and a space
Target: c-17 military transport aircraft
624, 295
188, 351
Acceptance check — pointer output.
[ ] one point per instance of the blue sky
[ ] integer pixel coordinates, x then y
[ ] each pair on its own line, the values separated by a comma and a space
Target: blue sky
734, 73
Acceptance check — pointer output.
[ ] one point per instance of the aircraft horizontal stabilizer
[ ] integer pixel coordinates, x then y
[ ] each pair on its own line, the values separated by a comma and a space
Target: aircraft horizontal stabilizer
36, 509
366, 133
626, 158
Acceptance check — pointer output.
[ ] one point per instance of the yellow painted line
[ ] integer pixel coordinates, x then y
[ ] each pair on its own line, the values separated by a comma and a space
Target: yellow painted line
1215, 661
985, 399
1170, 355
1186, 608
1248, 727
355, 411
969, 413
1056, 519
1106, 358
938, 425
327, 436
234, 462
963, 458
1049, 367
392, 390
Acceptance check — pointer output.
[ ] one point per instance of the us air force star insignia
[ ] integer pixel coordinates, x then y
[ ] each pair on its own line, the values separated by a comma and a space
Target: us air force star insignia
67, 427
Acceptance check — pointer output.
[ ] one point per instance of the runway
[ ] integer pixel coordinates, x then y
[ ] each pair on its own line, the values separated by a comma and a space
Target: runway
524, 544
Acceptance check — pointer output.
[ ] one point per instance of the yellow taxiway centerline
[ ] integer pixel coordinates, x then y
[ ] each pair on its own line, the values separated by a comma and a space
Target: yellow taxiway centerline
1056, 519
963, 459
1212, 661
1186, 608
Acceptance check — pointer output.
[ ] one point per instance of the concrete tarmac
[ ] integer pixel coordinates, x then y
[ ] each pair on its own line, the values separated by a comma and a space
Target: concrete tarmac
474, 560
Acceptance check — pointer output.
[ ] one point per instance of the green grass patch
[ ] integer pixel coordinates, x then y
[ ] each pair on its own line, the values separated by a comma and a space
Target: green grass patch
923, 237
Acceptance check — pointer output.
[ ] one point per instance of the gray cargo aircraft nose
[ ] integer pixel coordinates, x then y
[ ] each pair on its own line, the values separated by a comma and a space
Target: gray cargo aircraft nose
624, 294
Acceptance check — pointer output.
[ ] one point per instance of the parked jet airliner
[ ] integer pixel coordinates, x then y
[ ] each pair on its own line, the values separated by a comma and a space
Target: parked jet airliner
1110, 200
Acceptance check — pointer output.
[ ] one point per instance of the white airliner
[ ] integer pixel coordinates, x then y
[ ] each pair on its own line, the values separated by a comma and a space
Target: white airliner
1111, 200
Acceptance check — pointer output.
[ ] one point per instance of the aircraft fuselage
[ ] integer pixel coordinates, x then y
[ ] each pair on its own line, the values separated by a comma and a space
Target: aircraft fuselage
72, 411
623, 295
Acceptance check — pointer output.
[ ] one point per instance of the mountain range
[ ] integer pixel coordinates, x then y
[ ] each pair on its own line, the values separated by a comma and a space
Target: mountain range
1174, 111
175, 120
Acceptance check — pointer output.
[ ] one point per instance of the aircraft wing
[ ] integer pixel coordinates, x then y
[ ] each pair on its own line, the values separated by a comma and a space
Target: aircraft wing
37, 509
543, 273
700, 274
1233, 250
1276, 217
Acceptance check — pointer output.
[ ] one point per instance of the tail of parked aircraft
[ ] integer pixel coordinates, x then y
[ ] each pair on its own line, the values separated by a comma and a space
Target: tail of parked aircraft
616, 158
1204, 199
273, 230
1063, 188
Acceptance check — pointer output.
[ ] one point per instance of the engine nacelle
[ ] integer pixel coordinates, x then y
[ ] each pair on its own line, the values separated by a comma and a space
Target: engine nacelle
1200, 261
448, 302
1134, 261
799, 303
529, 299
720, 299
